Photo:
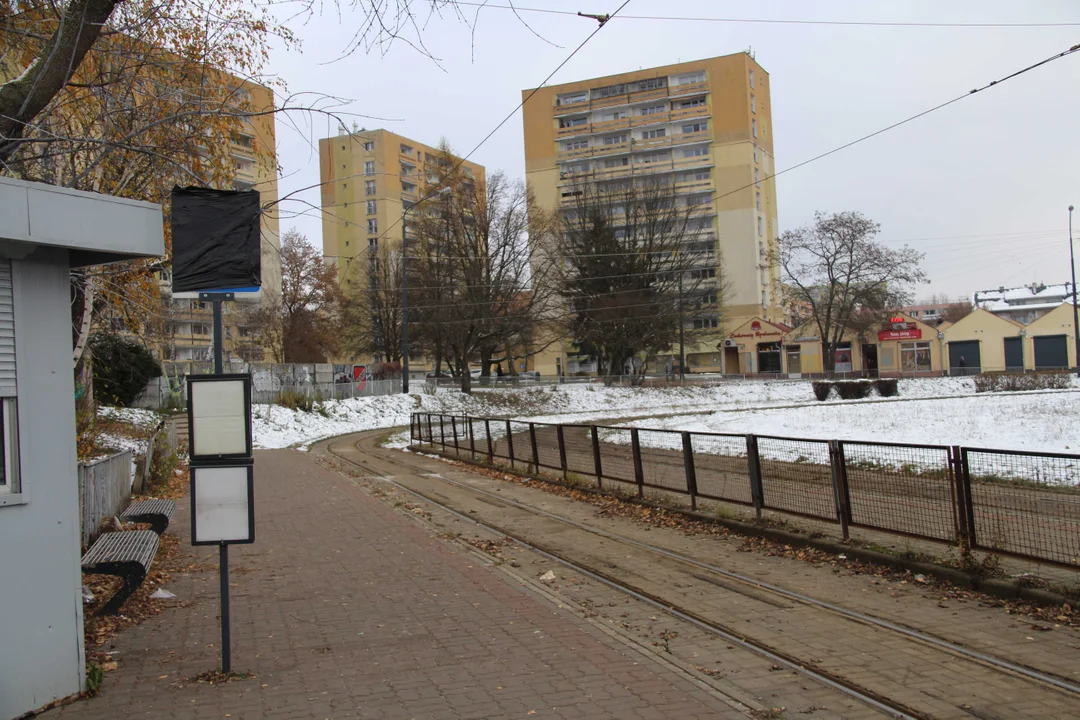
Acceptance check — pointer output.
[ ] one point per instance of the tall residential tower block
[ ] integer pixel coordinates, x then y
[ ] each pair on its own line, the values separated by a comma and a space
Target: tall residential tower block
707, 126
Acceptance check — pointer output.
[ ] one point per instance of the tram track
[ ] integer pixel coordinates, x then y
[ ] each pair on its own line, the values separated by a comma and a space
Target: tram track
373, 464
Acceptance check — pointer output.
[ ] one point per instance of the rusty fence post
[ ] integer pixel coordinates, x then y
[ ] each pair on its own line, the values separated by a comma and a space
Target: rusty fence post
535, 450
691, 470
472, 438
841, 495
562, 451
442, 432
639, 472
757, 490
509, 444
453, 427
491, 448
597, 466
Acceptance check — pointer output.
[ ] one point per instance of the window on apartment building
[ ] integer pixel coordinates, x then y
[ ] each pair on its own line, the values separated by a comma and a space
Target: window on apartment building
757, 176
371, 207
573, 122
613, 115
753, 126
200, 329
369, 167
698, 199
346, 243
10, 480
650, 84
576, 168
695, 175
653, 157
695, 127
407, 150
373, 225
369, 187
692, 103
751, 78
373, 244
573, 98
755, 153
703, 273
760, 226
575, 144
653, 109
616, 162
688, 78
653, 134
615, 139
757, 200
369, 145
609, 90
704, 323
753, 102
698, 151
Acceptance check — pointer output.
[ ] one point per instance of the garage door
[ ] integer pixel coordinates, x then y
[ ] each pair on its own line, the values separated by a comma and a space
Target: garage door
1014, 354
1051, 352
964, 358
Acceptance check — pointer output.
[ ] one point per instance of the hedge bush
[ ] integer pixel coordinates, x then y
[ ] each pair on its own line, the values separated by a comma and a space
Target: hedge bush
1013, 382
887, 387
853, 389
821, 389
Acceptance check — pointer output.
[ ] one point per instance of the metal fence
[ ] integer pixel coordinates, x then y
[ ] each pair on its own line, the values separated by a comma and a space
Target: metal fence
171, 393
1016, 503
104, 491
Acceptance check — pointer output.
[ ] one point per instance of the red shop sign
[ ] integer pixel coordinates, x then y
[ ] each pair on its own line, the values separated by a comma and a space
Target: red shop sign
899, 334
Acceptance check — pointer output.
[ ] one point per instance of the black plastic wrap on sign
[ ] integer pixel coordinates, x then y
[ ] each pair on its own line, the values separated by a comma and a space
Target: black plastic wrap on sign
215, 239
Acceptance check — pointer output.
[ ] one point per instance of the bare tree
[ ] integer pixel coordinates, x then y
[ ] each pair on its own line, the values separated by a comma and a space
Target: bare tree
481, 264
636, 270
838, 272
302, 324
372, 310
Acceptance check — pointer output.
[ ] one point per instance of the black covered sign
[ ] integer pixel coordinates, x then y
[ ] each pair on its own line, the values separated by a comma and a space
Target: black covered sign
215, 239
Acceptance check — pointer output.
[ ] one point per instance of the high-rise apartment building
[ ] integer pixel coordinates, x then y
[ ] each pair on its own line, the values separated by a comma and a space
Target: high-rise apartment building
706, 126
369, 178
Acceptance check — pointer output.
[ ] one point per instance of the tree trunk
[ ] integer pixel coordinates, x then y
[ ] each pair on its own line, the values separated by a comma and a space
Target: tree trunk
22, 99
466, 377
485, 362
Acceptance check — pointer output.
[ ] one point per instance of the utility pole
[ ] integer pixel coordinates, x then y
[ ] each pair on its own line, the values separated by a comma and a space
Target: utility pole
405, 288
1076, 313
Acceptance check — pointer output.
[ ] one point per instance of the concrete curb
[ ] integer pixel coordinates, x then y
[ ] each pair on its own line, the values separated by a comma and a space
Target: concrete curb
994, 587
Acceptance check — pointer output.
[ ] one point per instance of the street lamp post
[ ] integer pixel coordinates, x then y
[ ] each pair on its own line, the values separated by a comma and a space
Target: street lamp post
1076, 313
405, 288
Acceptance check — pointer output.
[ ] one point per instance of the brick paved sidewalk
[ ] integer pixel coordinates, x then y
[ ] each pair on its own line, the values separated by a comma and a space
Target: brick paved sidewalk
345, 608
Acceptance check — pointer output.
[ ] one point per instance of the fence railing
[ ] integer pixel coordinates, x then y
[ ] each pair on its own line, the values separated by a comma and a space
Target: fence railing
104, 491
171, 393
1023, 504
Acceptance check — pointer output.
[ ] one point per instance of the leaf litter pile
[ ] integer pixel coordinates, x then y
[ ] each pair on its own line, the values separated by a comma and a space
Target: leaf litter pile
1051, 617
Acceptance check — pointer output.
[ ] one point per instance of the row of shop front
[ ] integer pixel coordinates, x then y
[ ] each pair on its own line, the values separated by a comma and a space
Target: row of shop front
898, 345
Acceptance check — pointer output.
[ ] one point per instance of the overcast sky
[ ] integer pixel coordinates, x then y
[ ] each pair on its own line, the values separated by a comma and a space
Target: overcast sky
982, 186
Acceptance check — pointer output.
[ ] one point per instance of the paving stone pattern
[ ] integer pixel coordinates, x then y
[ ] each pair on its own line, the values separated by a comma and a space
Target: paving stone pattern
345, 608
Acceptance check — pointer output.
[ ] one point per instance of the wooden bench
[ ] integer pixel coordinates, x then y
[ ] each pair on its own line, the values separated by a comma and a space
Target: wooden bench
156, 513
128, 554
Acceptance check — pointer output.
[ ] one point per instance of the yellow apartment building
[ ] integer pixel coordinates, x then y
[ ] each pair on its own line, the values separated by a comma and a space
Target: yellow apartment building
368, 179
189, 325
707, 125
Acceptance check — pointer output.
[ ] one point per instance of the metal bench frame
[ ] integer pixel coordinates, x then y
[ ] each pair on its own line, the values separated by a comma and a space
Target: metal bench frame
157, 513
127, 554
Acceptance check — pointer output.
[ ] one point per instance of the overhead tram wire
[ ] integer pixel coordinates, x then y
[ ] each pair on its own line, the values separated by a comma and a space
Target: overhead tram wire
895, 125
384, 234
781, 21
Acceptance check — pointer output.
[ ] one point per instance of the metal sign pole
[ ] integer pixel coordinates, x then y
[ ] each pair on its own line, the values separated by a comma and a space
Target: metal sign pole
223, 550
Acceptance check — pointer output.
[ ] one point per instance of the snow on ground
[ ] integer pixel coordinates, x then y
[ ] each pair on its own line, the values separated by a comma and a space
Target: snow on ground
1044, 421
278, 427
138, 417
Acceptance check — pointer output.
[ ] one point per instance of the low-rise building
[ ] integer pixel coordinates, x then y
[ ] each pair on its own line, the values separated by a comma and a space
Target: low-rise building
1023, 304
983, 341
1050, 341
898, 345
